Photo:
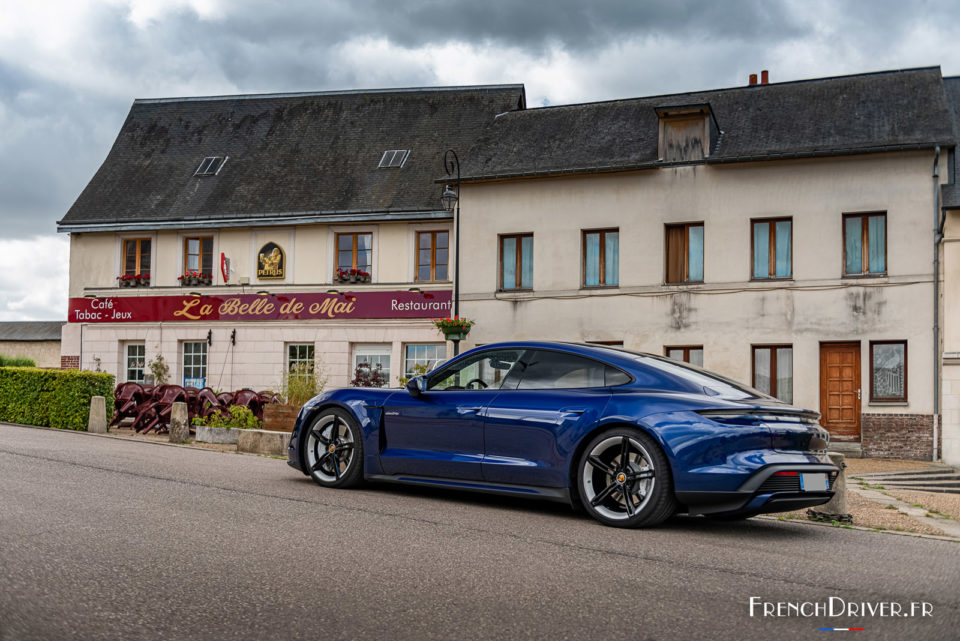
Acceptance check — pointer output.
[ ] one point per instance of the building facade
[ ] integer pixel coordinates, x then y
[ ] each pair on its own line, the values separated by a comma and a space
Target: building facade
800, 236
777, 234
36, 340
240, 237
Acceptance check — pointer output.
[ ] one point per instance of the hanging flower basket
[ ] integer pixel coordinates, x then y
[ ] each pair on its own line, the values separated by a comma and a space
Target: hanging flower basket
454, 329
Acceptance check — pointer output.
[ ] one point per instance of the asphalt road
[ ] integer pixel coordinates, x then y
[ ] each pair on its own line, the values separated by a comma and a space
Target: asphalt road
109, 539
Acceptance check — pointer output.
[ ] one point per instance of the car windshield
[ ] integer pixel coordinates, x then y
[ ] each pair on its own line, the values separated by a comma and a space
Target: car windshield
712, 384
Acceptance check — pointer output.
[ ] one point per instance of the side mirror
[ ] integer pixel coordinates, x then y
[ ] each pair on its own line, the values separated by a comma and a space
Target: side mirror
416, 386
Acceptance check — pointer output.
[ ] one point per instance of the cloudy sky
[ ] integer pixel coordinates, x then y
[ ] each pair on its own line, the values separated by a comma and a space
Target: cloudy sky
70, 69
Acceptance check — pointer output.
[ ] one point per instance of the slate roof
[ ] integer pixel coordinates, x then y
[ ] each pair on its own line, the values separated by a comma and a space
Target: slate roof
950, 194
30, 330
290, 155
891, 110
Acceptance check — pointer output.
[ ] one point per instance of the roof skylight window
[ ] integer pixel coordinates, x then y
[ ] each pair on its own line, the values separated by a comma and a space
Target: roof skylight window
394, 158
211, 166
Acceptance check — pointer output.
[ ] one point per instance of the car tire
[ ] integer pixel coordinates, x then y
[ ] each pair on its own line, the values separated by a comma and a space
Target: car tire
629, 491
341, 466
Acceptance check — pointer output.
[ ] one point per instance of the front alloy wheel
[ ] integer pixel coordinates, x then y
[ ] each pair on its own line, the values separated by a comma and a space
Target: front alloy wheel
333, 450
624, 479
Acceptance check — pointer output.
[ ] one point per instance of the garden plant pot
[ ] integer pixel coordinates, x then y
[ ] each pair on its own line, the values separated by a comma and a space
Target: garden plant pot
221, 435
455, 335
279, 418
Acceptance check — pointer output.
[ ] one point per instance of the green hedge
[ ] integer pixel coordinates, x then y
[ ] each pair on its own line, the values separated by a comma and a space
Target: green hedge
50, 397
16, 361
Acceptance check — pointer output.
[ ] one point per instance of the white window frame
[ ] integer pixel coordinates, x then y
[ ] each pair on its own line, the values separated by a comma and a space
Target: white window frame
205, 355
431, 363
372, 349
126, 361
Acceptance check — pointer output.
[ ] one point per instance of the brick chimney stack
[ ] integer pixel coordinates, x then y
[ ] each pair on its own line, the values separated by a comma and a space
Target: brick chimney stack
753, 79
764, 77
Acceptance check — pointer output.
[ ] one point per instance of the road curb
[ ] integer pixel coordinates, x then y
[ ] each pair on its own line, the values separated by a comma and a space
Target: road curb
935, 537
131, 439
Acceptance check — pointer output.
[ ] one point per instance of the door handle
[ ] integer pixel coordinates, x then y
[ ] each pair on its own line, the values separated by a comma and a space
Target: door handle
464, 410
573, 410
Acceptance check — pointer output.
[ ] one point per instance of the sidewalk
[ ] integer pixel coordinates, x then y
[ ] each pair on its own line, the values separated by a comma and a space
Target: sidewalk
874, 505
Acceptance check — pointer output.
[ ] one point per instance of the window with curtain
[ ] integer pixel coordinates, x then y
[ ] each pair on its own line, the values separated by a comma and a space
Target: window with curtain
772, 248
516, 261
198, 255
773, 371
433, 249
136, 256
864, 244
692, 354
684, 253
888, 371
601, 258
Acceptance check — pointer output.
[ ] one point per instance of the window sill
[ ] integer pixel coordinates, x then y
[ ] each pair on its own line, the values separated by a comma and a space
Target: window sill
860, 276
595, 287
513, 293
685, 283
777, 279
888, 404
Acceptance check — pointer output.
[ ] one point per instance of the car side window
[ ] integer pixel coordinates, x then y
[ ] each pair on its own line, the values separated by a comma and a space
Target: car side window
544, 369
486, 370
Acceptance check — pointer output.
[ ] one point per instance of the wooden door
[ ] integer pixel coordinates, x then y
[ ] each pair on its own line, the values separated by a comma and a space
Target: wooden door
840, 390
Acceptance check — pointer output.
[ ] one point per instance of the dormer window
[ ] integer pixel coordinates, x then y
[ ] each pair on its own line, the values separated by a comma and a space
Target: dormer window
211, 166
394, 158
686, 133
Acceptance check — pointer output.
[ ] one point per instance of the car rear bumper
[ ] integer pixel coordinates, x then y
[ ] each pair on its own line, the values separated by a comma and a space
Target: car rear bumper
762, 493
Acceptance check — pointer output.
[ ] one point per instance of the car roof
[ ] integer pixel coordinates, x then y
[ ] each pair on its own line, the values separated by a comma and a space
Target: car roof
612, 355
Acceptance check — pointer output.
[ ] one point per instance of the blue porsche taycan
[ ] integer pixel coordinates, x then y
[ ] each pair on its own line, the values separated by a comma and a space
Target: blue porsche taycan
632, 438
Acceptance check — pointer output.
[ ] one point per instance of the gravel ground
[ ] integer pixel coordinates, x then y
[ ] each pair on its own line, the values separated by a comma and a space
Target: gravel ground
871, 465
948, 504
867, 513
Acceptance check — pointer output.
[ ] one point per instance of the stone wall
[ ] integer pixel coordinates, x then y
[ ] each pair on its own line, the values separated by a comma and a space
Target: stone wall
43, 353
908, 436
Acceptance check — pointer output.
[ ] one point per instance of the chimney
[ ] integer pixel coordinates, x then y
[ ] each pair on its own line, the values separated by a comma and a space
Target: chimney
764, 77
753, 79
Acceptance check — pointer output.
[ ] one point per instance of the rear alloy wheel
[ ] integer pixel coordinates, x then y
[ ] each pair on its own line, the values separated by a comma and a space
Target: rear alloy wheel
624, 479
333, 450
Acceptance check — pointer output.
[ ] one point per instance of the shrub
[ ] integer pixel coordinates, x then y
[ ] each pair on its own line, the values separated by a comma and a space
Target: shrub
240, 418
367, 376
302, 383
160, 370
51, 398
16, 361
418, 370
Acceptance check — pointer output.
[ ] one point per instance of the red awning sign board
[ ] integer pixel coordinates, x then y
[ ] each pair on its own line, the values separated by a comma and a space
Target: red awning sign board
254, 307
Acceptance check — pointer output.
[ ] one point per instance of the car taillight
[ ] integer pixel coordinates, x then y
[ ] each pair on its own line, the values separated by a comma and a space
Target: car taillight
756, 417
785, 473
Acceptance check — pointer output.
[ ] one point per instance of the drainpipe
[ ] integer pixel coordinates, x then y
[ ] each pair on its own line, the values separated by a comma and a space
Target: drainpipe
937, 237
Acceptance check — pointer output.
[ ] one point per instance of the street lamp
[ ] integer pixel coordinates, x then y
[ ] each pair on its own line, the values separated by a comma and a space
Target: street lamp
451, 202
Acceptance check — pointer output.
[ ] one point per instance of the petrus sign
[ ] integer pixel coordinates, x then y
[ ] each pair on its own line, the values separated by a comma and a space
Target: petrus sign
271, 262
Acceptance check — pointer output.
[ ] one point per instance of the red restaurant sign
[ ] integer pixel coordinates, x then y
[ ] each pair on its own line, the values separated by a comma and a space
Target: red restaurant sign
247, 307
